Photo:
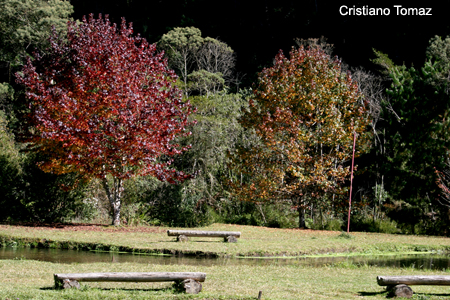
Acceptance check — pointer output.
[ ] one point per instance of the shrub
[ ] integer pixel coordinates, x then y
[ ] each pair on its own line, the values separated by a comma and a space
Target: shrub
178, 205
325, 222
366, 223
334, 225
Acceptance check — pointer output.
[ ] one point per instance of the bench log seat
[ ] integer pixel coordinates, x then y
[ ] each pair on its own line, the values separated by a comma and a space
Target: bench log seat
182, 235
189, 281
399, 285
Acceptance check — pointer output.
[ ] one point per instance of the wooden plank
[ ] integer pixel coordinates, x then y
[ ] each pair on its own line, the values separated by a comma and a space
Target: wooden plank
202, 233
133, 276
414, 280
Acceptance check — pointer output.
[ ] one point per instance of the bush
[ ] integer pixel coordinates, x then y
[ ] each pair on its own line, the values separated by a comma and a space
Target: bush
249, 213
29, 194
366, 223
334, 225
232, 211
325, 222
36, 196
245, 219
387, 226
280, 216
178, 205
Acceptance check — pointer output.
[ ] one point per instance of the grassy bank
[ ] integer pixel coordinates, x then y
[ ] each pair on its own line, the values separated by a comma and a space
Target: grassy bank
21, 279
254, 241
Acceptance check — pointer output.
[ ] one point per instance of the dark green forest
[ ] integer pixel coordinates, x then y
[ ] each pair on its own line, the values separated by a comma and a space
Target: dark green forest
226, 57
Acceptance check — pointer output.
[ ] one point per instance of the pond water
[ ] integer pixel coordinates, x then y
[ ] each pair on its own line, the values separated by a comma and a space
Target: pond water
419, 261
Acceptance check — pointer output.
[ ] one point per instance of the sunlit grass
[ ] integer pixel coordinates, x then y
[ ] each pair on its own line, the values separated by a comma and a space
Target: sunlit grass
24, 279
254, 241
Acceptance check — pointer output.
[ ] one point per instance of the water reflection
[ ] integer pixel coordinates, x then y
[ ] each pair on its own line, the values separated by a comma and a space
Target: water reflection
418, 261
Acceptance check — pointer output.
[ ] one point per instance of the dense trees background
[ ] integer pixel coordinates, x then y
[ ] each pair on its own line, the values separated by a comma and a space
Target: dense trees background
404, 83
256, 30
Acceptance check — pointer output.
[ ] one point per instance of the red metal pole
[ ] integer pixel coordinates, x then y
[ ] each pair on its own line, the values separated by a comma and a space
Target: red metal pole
351, 183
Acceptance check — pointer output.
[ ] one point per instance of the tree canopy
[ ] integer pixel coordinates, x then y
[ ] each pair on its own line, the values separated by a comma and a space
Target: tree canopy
103, 102
204, 64
27, 23
305, 111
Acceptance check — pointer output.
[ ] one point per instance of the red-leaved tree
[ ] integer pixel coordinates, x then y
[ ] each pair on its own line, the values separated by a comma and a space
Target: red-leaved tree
103, 102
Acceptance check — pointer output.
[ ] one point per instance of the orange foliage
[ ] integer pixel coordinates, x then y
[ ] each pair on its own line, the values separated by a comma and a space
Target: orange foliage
304, 111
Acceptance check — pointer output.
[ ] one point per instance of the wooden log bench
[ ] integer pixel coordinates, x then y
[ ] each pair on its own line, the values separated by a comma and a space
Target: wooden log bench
188, 281
399, 285
183, 235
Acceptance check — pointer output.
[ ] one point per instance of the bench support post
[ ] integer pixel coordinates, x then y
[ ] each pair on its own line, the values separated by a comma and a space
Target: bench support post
189, 286
230, 239
182, 238
400, 290
66, 283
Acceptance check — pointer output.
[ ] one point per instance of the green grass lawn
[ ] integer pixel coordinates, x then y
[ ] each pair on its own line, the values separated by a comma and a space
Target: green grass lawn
22, 279
254, 241
26, 279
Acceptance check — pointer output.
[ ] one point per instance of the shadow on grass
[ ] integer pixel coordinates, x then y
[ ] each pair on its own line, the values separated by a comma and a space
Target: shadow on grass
388, 295
194, 241
140, 290
83, 288
368, 294
446, 296
208, 241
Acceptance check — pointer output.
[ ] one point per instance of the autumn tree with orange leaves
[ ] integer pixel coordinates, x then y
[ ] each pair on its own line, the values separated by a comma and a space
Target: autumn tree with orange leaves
304, 111
103, 103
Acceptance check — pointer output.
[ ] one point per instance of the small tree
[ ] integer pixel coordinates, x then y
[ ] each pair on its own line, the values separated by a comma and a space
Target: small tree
181, 46
216, 57
439, 52
443, 182
305, 112
103, 103
198, 60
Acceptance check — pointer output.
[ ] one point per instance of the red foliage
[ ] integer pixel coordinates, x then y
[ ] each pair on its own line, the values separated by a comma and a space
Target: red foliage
104, 102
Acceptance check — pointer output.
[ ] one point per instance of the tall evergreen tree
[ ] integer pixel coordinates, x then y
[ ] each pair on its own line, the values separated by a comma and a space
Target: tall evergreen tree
415, 122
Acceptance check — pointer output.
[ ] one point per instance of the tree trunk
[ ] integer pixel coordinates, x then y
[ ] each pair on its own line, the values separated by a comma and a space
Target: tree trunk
114, 195
116, 214
301, 217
